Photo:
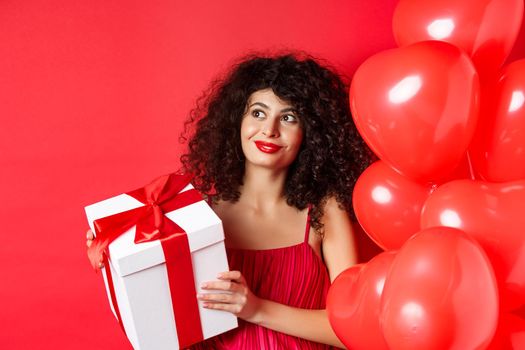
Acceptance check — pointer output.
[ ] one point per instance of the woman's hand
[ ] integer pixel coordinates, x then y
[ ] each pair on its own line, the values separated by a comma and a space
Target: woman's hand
89, 240
240, 301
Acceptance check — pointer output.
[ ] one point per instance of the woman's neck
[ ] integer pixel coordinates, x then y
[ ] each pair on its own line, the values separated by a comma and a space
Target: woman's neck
263, 188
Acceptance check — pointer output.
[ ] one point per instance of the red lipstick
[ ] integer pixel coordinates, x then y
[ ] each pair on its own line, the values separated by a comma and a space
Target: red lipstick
267, 147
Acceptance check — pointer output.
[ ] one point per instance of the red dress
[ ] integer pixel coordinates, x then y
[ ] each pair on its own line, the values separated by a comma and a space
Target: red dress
293, 276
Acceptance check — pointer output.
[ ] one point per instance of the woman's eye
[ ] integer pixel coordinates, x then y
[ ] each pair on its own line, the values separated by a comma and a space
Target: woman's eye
289, 118
257, 114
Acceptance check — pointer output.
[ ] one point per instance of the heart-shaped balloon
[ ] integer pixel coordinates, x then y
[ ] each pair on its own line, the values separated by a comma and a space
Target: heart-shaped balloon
463, 171
485, 29
440, 293
353, 303
510, 334
494, 215
388, 205
498, 146
417, 107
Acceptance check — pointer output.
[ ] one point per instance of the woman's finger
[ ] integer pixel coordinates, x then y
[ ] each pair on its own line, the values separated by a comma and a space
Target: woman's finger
231, 275
233, 308
229, 286
89, 235
219, 298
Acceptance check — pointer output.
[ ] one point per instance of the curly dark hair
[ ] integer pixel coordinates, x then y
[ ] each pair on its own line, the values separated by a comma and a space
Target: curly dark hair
332, 154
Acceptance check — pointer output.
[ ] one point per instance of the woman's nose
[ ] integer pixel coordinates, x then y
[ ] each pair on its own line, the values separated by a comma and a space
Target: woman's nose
270, 128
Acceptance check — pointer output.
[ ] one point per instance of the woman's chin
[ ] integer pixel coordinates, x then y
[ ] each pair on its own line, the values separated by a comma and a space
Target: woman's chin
266, 162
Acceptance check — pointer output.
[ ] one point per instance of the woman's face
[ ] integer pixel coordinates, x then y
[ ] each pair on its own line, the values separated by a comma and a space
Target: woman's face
271, 134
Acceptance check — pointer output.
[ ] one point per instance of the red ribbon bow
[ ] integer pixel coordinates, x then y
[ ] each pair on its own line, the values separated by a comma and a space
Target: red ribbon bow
160, 196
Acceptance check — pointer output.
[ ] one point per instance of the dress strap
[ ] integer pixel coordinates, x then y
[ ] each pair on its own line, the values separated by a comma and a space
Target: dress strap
307, 231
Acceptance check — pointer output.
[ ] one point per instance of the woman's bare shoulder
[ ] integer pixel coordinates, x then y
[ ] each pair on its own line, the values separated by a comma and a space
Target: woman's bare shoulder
332, 210
223, 209
338, 240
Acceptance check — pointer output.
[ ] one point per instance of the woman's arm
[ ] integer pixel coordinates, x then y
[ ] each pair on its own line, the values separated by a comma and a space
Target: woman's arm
339, 254
308, 324
339, 250
303, 323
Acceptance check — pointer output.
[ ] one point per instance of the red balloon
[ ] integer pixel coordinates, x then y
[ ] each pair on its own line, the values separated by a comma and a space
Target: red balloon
388, 205
417, 107
485, 29
353, 303
463, 171
498, 147
510, 334
493, 214
440, 293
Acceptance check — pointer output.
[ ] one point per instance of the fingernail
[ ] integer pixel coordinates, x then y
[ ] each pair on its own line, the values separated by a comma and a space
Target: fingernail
204, 285
219, 275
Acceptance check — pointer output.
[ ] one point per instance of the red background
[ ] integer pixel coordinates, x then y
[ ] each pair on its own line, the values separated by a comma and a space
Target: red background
92, 99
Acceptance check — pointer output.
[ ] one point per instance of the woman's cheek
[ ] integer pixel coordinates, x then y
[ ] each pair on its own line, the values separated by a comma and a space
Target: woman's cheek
248, 130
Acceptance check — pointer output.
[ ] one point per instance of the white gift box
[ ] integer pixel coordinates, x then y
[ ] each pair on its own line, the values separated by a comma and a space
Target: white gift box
140, 278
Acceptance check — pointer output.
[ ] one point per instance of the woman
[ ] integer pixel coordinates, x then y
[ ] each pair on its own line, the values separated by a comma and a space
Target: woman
275, 150
273, 139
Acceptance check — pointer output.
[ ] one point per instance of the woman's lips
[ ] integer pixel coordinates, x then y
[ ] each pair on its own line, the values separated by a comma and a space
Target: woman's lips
267, 147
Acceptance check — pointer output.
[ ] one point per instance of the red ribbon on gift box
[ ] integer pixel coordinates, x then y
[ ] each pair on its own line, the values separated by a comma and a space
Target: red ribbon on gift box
160, 196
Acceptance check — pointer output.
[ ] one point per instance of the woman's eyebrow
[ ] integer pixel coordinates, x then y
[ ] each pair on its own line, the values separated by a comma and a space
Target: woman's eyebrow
284, 110
263, 105
260, 104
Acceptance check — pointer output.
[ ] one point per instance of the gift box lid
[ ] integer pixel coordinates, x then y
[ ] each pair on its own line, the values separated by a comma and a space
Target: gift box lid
200, 222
